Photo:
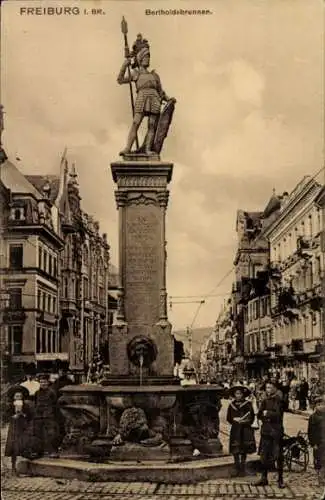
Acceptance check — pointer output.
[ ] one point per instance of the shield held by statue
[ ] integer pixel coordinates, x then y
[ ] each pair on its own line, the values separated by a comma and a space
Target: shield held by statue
163, 125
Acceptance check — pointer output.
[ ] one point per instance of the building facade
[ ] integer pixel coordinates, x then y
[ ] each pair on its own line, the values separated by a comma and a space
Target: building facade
278, 295
55, 272
218, 349
297, 267
29, 272
250, 263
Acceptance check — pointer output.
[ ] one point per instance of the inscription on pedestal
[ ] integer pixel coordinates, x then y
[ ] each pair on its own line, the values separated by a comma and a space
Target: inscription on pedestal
142, 264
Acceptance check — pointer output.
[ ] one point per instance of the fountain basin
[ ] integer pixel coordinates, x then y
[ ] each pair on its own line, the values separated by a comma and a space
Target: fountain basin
176, 411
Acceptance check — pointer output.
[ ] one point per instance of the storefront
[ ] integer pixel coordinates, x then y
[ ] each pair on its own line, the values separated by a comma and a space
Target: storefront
258, 365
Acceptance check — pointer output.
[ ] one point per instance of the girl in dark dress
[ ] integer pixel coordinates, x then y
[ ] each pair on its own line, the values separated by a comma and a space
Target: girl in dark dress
240, 416
20, 412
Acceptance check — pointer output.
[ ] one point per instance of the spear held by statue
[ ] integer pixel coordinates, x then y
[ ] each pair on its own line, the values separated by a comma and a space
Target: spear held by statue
124, 28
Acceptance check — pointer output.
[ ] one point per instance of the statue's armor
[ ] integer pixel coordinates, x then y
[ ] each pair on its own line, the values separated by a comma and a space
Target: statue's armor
149, 93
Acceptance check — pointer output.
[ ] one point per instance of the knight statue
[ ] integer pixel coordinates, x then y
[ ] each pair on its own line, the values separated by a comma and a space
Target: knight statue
150, 97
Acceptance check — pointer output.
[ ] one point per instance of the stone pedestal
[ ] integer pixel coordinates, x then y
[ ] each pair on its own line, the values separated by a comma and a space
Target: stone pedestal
142, 198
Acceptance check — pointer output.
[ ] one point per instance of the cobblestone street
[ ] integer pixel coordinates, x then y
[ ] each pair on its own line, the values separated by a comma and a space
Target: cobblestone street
302, 487
298, 485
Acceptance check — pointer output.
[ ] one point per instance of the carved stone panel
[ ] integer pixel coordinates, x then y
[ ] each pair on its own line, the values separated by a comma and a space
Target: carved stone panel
141, 181
142, 273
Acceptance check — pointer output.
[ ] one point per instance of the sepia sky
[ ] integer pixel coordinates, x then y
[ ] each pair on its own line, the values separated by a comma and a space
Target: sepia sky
249, 90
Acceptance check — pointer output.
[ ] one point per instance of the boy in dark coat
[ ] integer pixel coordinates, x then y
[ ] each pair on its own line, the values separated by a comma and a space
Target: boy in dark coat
316, 436
271, 443
20, 415
240, 416
45, 425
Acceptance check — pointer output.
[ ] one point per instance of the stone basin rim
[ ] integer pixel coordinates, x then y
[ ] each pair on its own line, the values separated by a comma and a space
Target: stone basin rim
144, 389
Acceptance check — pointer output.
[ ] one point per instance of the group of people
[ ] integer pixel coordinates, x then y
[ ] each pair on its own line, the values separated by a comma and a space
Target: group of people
241, 417
297, 394
268, 411
36, 427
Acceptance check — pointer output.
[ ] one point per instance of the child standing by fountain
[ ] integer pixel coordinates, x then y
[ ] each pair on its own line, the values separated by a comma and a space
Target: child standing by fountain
240, 416
20, 416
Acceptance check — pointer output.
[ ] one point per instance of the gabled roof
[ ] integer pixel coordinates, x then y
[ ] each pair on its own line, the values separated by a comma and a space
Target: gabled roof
273, 205
40, 180
14, 180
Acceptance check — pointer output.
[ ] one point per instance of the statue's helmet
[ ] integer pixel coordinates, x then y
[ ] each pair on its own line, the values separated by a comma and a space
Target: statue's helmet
142, 54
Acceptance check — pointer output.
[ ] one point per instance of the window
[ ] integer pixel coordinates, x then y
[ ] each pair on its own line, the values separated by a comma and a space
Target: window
38, 339
264, 303
101, 296
49, 303
49, 341
309, 276
73, 288
39, 299
77, 292
40, 257
265, 343
310, 223
54, 305
55, 267
16, 339
16, 256
44, 301
17, 213
86, 288
15, 298
65, 289
45, 261
50, 265
53, 349
319, 225
43, 340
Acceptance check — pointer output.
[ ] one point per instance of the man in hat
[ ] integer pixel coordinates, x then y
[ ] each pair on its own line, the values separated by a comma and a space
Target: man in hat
45, 425
271, 444
240, 416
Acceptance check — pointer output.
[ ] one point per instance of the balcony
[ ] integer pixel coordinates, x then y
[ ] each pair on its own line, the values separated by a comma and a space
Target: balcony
14, 315
68, 307
46, 317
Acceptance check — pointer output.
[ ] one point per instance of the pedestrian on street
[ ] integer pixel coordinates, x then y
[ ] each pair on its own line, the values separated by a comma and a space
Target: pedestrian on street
285, 387
240, 416
20, 411
45, 427
303, 394
61, 381
271, 443
316, 436
315, 392
293, 393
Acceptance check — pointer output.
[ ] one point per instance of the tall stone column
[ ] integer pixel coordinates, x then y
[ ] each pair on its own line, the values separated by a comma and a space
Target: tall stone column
142, 198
